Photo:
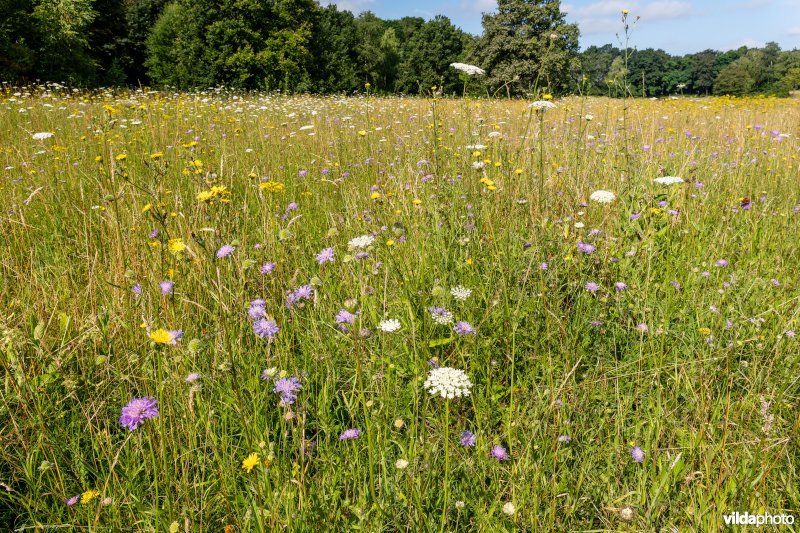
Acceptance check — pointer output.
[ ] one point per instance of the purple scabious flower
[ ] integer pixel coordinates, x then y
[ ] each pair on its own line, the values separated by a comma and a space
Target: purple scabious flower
361, 255
267, 267
499, 453
721, 263
592, 287
544, 266
154, 233
637, 454
350, 434
345, 317
72, 500
257, 310
643, 327
166, 286
620, 286
564, 438
177, 335
302, 292
635, 216
287, 387
325, 256
192, 377
467, 439
464, 328
291, 207
265, 328
136, 290
137, 411
224, 251
586, 248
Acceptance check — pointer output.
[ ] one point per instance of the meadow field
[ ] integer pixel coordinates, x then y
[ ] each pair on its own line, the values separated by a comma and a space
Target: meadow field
232, 311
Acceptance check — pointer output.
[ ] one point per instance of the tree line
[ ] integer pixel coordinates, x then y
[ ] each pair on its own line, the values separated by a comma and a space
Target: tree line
302, 46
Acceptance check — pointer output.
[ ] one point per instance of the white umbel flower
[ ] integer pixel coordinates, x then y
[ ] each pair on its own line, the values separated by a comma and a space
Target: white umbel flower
603, 197
668, 180
475, 147
42, 135
401, 464
509, 508
389, 326
470, 70
361, 242
542, 105
461, 293
477, 165
448, 383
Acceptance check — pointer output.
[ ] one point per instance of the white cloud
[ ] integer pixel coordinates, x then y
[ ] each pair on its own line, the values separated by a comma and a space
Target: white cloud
794, 32
603, 17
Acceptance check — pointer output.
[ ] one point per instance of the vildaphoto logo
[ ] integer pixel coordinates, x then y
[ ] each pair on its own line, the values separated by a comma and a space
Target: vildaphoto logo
746, 519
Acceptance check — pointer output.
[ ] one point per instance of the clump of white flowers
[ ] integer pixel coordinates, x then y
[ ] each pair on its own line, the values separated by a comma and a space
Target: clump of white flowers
461, 293
389, 326
509, 508
668, 180
469, 70
42, 135
603, 197
542, 105
361, 242
448, 383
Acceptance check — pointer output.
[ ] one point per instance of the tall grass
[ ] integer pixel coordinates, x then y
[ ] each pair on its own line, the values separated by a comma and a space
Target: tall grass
694, 363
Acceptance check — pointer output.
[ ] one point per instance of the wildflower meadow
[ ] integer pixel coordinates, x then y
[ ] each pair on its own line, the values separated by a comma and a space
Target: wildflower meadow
240, 311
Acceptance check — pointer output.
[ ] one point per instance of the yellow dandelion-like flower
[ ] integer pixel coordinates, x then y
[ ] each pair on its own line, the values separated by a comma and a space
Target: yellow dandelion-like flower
176, 245
250, 462
417, 201
375, 195
271, 186
157, 155
362, 133
88, 496
147, 208
390, 242
205, 196
162, 336
121, 157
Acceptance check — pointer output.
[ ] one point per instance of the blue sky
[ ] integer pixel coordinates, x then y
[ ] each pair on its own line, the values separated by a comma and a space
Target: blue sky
677, 26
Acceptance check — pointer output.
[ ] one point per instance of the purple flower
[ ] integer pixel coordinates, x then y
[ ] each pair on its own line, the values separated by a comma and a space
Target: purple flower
592, 287
224, 251
705, 274
257, 310
137, 411
71, 501
345, 317
467, 439
544, 266
586, 248
267, 267
596, 323
564, 438
637, 454
349, 434
265, 328
499, 453
362, 255
721, 263
302, 292
177, 335
791, 334
325, 256
291, 207
154, 233
192, 377
635, 216
166, 286
136, 290
675, 284
287, 387
464, 328
620, 286
643, 327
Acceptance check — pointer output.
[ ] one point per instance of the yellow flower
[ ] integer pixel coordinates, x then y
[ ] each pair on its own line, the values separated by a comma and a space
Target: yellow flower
176, 245
121, 157
417, 201
156, 155
162, 336
362, 132
205, 196
390, 242
88, 496
271, 186
704, 331
547, 96
250, 462
375, 195
147, 208
98, 158
174, 527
